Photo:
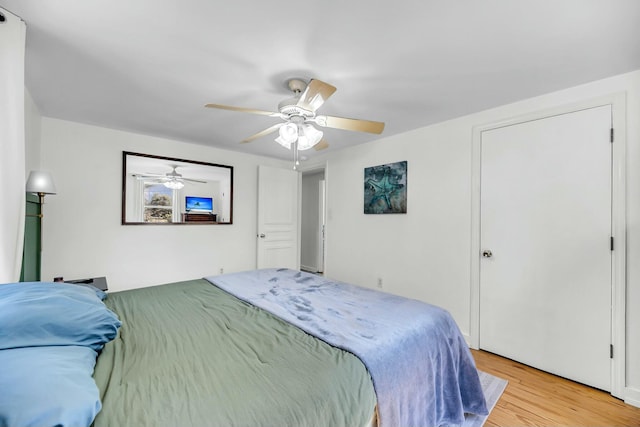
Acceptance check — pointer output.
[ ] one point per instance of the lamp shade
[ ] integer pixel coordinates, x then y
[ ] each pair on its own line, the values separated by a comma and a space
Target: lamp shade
40, 182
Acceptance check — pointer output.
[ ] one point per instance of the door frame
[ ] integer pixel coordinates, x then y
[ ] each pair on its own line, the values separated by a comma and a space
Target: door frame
618, 225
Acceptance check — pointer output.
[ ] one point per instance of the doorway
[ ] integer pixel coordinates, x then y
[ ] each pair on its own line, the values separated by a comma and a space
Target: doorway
312, 229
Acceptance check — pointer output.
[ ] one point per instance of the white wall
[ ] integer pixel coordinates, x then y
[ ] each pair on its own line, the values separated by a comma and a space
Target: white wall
33, 130
82, 234
425, 254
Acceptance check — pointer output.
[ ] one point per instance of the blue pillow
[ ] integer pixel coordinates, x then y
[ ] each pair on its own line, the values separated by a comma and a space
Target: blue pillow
48, 386
42, 314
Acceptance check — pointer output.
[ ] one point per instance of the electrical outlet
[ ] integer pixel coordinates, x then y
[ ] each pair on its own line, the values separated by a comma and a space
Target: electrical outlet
379, 282
221, 270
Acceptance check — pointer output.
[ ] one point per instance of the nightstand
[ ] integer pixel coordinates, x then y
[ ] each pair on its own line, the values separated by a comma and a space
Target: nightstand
97, 282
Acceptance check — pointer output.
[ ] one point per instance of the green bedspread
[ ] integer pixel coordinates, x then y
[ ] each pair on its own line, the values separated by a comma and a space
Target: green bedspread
189, 354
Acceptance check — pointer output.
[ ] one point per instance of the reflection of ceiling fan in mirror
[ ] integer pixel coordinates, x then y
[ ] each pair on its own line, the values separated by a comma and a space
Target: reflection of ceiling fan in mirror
297, 132
173, 179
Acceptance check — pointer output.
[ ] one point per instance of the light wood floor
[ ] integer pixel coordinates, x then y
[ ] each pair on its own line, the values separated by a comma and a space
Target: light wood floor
536, 398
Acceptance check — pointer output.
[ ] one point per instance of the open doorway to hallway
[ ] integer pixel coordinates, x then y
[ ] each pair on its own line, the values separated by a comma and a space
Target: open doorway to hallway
312, 222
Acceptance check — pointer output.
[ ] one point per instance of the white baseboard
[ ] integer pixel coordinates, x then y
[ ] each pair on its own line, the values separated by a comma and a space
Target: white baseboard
632, 396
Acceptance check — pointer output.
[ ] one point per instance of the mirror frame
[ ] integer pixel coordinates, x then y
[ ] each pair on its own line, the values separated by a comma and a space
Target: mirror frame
124, 221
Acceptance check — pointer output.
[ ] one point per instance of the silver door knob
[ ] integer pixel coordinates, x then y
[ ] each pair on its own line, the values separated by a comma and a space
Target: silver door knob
262, 235
487, 253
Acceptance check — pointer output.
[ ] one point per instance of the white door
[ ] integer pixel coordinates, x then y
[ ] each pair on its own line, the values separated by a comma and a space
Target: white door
545, 271
277, 218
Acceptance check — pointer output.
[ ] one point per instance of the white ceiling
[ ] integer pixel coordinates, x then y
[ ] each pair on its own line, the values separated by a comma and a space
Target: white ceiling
150, 66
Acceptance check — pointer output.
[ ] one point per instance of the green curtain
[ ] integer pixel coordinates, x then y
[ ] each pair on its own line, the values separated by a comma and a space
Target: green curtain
32, 241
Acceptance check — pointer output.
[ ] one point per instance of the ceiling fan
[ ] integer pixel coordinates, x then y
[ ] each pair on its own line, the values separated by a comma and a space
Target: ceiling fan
299, 114
173, 179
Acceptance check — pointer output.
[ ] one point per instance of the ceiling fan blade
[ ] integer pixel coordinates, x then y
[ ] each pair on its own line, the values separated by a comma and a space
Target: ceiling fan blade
193, 180
267, 131
315, 94
321, 145
147, 175
349, 124
245, 110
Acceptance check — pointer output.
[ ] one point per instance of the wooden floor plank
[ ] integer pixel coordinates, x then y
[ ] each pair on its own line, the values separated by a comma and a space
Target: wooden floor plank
537, 398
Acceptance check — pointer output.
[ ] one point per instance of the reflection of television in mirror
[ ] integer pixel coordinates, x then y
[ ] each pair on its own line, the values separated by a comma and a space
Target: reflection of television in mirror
199, 204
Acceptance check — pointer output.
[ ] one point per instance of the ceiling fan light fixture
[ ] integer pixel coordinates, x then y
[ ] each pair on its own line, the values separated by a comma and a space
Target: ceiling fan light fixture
288, 135
174, 184
289, 132
309, 136
285, 142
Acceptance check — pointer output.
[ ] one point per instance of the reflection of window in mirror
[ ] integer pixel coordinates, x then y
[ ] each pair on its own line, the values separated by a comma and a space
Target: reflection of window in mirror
157, 203
164, 190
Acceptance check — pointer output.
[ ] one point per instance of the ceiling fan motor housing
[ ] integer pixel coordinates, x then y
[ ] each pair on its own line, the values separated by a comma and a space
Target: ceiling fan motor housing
296, 85
290, 108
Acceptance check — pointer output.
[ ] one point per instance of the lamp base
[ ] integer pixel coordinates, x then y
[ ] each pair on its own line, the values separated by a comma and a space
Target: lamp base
40, 203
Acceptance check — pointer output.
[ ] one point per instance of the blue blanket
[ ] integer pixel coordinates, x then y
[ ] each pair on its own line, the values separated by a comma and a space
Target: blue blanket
421, 367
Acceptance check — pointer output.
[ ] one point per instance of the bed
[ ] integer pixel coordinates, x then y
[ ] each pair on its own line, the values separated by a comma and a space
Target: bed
270, 347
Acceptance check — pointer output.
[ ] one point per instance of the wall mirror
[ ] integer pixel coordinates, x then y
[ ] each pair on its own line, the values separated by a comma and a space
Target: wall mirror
164, 190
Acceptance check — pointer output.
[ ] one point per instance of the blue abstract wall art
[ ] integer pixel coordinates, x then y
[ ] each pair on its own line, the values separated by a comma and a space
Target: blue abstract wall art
385, 188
